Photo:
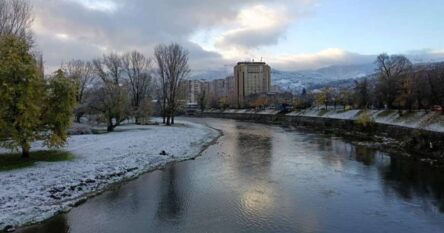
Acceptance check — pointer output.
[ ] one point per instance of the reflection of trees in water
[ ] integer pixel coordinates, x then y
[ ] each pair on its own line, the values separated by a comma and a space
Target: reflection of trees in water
171, 202
324, 143
411, 179
365, 155
341, 149
408, 178
58, 224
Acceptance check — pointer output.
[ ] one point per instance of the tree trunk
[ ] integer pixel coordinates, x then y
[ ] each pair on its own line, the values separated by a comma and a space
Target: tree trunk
168, 120
172, 119
110, 126
78, 116
25, 151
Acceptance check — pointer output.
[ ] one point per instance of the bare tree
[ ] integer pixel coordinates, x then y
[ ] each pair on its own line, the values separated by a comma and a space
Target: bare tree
138, 70
362, 93
160, 56
111, 101
390, 69
172, 61
16, 19
111, 97
109, 68
82, 73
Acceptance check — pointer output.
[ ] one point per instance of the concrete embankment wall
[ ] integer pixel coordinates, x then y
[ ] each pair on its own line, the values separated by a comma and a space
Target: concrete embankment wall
423, 143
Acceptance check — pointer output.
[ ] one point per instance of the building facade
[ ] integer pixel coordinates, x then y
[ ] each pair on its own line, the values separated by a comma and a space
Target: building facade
193, 91
250, 78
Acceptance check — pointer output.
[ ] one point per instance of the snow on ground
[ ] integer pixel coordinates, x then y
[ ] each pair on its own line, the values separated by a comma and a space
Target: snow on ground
34, 194
432, 121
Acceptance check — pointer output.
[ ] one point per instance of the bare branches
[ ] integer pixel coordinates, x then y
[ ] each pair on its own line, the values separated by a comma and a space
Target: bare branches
393, 66
390, 69
138, 70
172, 62
82, 72
16, 19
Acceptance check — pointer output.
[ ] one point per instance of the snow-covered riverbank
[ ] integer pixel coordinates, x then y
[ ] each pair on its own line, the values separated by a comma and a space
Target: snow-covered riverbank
34, 194
432, 121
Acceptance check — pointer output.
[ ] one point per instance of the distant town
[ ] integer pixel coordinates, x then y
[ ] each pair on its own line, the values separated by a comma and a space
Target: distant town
249, 80
391, 82
116, 116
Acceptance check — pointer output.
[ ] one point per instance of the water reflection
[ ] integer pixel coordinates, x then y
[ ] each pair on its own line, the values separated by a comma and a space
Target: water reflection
171, 200
415, 182
261, 178
254, 153
418, 183
57, 224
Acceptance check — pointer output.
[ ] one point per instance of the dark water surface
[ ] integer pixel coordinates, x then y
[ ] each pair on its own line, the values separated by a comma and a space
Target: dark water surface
261, 178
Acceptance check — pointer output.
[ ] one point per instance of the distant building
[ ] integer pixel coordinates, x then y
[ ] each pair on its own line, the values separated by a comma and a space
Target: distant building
250, 78
193, 91
218, 88
229, 84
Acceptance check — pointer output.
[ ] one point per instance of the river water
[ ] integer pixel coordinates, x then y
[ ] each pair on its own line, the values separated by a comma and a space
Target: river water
260, 178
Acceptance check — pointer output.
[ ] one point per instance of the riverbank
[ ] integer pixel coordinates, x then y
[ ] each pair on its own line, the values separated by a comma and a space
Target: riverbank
266, 178
31, 195
419, 134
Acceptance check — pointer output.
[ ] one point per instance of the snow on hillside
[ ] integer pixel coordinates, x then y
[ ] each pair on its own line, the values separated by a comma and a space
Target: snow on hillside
34, 194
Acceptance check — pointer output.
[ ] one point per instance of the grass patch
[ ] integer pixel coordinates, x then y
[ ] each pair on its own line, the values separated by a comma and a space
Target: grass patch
385, 113
322, 112
14, 161
406, 114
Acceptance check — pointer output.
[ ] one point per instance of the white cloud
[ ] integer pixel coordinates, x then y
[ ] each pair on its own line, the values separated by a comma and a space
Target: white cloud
215, 32
98, 5
253, 28
327, 57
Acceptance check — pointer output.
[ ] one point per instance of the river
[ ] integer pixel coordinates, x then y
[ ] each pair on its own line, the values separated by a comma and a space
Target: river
262, 178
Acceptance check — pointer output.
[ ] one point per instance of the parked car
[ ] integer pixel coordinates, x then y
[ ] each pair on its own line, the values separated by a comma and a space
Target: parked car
437, 108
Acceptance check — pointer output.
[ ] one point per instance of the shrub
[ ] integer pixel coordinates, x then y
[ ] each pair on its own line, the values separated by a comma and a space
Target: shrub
365, 120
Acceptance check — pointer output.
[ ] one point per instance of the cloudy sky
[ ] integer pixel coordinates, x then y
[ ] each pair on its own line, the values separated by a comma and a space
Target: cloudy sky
288, 34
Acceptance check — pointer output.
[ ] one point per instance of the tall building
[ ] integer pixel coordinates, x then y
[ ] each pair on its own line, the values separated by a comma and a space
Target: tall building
194, 88
250, 78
